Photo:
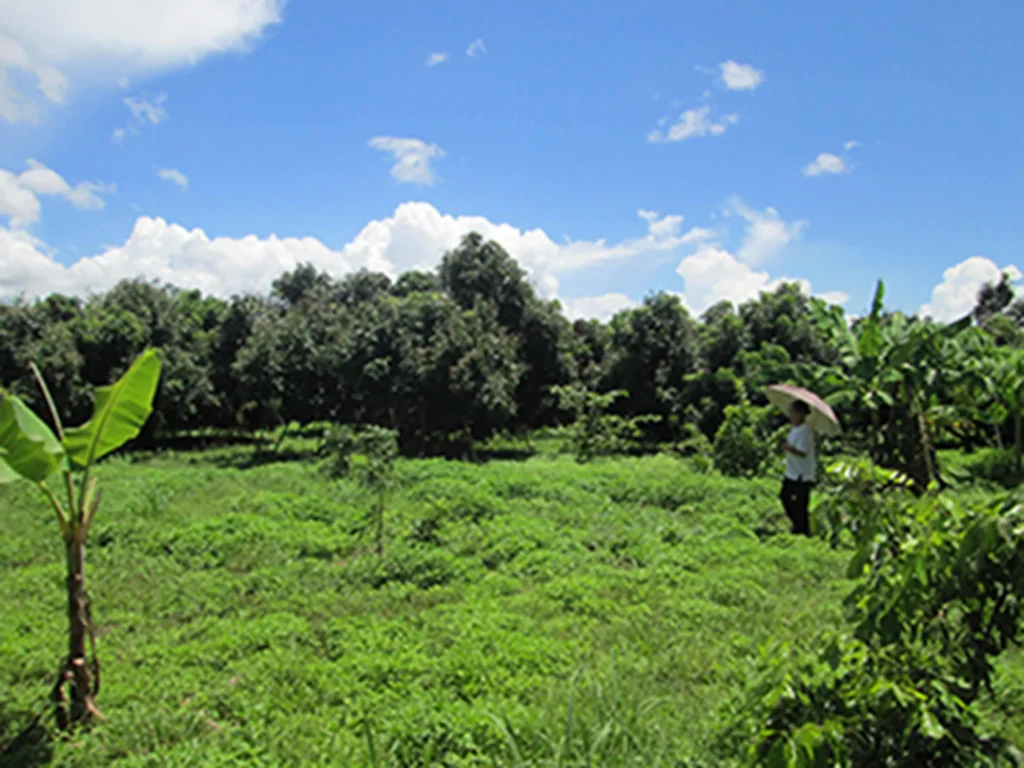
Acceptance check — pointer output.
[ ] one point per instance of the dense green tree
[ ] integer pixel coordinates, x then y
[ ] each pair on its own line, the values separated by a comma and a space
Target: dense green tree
654, 348
479, 270
292, 287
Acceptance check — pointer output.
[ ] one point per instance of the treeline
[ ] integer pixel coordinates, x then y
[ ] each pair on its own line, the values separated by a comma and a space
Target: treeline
446, 358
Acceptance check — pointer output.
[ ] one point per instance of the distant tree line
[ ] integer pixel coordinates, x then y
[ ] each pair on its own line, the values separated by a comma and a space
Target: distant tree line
445, 358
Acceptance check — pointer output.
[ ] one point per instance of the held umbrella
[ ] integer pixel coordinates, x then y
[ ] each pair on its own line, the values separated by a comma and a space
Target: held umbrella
822, 418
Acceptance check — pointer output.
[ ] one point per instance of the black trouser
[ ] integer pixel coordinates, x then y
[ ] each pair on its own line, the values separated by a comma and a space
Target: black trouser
796, 495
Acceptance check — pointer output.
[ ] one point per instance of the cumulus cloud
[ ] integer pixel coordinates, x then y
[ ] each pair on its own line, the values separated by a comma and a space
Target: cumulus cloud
416, 236
712, 273
692, 123
602, 307
412, 158
767, 234
19, 194
826, 163
174, 176
955, 296
740, 77
476, 48
106, 40
434, 59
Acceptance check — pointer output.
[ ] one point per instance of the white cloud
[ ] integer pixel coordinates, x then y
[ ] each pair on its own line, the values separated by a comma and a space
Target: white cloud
53, 84
693, 122
853, 144
434, 59
826, 162
713, 274
117, 135
412, 158
955, 296
601, 308
767, 234
19, 200
174, 176
86, 195
834, 297
17, 203
19, 71
740, 77
476, 48
103, 41
148, 110
414, 237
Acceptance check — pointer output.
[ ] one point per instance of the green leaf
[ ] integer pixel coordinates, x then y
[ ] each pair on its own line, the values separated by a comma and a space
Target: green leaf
869, 343
931, 727
7, 475
120, 412
29, 448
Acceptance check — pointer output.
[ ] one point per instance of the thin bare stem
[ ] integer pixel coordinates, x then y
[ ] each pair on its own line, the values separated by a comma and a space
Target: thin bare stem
69, 482
62, 518
49, 400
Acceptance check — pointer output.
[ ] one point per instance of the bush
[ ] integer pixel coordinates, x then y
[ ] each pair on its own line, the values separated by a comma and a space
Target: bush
938, 598
853, 705
742, 446
596, 432
994, 465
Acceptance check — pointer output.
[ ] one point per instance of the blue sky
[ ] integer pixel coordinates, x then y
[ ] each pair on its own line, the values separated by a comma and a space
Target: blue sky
586, 129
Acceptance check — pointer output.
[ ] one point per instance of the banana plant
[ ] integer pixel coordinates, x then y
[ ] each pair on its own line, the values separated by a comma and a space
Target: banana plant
31, 451
889, 372
1007, 387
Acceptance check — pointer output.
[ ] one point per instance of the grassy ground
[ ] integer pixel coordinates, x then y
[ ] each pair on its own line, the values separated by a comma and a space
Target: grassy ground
525, 613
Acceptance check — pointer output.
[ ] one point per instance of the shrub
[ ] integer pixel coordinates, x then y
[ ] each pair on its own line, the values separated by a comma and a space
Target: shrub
994, 465
595, 432
938, 599
742, 444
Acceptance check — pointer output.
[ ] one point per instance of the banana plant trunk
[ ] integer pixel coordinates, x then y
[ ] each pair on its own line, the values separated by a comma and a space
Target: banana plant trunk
78, 682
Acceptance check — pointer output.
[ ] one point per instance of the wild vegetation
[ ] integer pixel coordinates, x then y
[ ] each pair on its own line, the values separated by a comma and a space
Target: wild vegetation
288, 573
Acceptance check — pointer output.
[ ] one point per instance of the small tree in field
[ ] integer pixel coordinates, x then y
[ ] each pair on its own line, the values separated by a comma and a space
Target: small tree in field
595, 431
368, 455
29, 450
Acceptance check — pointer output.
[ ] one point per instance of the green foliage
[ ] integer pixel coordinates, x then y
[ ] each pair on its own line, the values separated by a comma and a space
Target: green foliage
28, 448
120, 412
936, 602
368, 455
851, 704
595, 432
558, 612
742, 445
994, 465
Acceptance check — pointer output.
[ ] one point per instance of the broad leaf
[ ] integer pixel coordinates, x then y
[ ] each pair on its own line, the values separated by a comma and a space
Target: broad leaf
120, 412
29, 448
869, 342
7, 475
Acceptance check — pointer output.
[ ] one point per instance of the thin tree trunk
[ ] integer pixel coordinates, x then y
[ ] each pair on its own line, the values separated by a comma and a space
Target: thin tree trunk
77, 703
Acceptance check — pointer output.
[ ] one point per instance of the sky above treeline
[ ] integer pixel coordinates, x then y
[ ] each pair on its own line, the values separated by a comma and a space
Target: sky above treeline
615, 149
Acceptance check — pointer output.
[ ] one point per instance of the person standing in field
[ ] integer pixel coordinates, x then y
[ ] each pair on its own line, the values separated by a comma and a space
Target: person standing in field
801, 467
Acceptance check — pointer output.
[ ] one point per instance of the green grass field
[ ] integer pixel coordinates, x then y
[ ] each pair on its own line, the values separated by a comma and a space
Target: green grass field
525, 613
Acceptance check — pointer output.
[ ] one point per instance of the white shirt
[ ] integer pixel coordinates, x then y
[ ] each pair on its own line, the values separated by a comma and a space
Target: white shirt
801, 467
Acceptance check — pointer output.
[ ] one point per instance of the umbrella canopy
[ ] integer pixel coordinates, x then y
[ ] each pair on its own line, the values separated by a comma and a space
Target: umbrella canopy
822, 418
